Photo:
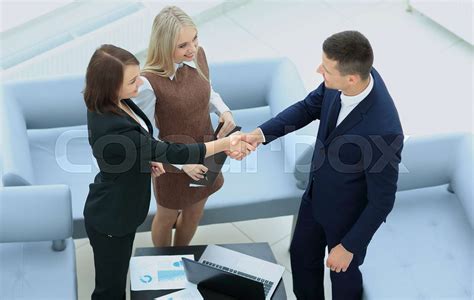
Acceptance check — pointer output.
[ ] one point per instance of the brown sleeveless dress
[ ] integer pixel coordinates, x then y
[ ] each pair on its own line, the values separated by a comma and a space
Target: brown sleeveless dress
182, 116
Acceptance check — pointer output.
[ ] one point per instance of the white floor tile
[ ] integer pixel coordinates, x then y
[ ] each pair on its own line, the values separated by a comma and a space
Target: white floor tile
224, 40
142, 239
295, 29
290, 31
281, 250
219, 234
274, 21
327, 284
435, 88
81, 242
85, 271
400, 32
269, 230
352, 8
288, 281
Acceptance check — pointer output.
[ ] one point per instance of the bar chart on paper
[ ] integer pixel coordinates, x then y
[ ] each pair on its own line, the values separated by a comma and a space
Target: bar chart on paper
172, 275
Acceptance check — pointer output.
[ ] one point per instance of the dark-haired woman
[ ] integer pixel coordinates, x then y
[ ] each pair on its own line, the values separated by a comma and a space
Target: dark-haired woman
121, 139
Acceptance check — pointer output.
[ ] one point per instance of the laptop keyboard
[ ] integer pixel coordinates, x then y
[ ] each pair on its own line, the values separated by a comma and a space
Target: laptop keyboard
267, 285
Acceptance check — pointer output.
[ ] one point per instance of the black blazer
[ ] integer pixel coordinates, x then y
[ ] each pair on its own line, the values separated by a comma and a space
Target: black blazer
119, 198
354, 169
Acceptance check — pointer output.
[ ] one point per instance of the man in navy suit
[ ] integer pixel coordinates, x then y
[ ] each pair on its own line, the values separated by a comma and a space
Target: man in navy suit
354, 170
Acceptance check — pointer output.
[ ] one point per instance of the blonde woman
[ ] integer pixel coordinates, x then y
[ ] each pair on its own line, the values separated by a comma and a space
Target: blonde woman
177, 94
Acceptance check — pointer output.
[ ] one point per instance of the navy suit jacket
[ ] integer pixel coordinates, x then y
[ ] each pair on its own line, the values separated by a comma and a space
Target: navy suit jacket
354, 169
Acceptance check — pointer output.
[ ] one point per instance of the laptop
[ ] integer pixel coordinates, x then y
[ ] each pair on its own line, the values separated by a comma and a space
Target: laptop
213, 163
256, 278
213, 283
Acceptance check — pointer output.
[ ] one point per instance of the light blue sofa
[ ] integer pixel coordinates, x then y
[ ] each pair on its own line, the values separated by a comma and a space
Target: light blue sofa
425, 250
44, 141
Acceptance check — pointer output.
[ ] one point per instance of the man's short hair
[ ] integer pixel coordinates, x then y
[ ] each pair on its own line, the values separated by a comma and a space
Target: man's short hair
352, 51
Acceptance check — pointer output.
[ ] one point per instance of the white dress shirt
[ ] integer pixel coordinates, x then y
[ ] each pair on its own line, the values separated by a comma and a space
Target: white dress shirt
348, 103
146, 98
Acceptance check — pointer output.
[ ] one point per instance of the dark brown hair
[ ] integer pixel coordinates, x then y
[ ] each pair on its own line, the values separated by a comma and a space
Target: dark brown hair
352, 51
104, 77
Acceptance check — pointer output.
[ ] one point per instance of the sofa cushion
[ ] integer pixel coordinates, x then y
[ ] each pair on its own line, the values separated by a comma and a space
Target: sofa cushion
63, 156
424, 251
462, 181
35, 271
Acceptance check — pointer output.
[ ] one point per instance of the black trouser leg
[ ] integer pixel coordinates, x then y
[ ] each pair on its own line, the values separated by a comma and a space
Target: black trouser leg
111, 259
307, 255
348, 285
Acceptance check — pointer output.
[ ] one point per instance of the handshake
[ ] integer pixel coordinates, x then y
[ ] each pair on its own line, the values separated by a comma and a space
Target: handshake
237, 146
242, 144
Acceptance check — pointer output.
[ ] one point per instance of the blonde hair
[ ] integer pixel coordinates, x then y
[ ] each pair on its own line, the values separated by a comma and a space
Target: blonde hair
163, 40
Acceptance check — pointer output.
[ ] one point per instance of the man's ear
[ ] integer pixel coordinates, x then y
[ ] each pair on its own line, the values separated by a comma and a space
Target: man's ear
354, 78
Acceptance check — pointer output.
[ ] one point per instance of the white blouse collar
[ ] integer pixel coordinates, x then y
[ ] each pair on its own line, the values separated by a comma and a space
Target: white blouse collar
177, 66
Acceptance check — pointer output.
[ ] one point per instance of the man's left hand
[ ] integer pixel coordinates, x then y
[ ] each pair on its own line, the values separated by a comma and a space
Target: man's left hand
229, 124
339, 259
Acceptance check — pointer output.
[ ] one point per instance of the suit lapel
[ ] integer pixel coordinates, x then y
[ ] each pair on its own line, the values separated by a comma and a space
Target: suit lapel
333, 113
354, 117
141, 114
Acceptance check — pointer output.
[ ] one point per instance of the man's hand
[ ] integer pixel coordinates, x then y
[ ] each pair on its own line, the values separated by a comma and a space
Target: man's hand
229, 124
157, 169
254, 138
339, 259
196, 172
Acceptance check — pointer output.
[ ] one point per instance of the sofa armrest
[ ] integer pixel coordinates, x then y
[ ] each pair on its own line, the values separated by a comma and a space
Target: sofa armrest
428, 161
303, 166
35, 213
285, 89
285, 86
243, 84
462, 182
17, 168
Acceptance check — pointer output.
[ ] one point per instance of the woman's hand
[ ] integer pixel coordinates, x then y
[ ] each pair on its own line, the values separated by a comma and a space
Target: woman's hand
196, 172
229, 124
157, 169
238, 145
